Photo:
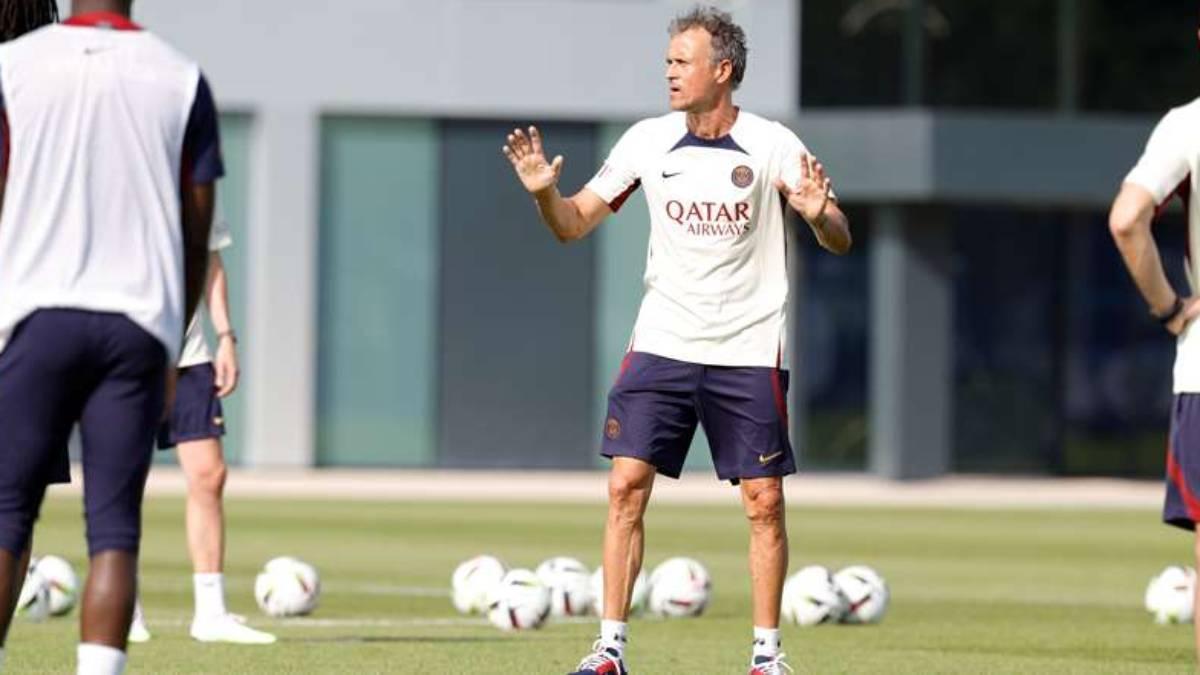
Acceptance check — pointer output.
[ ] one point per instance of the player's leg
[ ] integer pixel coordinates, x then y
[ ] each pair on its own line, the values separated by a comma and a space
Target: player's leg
650, 424
195, 427
629, 485
1181, 507
38, 400
744, 413
118, 424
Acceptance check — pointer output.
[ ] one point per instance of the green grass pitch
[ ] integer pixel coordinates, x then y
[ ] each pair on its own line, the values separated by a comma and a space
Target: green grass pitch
973, 591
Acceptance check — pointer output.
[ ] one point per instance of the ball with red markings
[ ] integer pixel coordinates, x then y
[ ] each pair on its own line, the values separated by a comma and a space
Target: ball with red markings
679, 587
866, 593
519, 602
811, 597
570, 586
287, 587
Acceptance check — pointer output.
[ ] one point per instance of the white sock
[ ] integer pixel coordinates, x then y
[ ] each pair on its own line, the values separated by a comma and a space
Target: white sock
766, 641
614, 634
210, 594
97, 659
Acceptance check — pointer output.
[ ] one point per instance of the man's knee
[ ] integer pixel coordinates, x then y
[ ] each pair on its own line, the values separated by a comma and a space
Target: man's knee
629, 486
764, 503
209, 478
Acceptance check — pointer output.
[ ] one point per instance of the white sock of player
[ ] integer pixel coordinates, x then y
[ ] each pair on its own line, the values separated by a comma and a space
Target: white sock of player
209, 590
614, 635
97, 659
766, 641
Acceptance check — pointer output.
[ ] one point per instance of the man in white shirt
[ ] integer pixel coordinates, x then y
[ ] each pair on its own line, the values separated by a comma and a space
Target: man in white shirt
195, 427
108, 183
710, 340
1169, 167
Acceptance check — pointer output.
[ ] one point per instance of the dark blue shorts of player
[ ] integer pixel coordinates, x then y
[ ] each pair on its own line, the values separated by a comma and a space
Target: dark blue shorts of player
197, 414
106, 373
656, 403
1182, 505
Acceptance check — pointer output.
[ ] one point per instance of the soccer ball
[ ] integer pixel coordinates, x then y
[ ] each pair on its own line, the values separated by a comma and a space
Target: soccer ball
637, 601
62, 583
679, 587
33, 602
569, 584
865, 591
287, 587
473, 579
811, 597
1170, 595
519, 602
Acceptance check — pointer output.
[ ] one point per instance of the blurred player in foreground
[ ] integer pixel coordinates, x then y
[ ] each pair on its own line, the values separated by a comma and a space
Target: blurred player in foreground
194, 428
108, 175
709, 343
1169, 166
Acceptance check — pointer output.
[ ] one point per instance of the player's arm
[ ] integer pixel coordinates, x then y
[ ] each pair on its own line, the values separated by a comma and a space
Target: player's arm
569, 218
199, 200
225, 363
812, 198
1129, 221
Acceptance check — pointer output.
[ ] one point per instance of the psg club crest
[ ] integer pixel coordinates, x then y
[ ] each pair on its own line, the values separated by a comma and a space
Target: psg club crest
743, 176
612, 429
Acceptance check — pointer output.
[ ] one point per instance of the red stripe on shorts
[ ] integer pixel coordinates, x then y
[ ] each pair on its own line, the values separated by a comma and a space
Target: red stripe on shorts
1175, 475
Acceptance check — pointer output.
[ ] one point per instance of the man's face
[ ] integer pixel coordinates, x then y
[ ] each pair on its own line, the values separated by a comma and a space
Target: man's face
692, 78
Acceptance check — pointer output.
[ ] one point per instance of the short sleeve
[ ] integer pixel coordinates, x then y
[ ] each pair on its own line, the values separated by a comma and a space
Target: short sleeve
619, 177
202, 161
219, 237
789, 151
1165, 163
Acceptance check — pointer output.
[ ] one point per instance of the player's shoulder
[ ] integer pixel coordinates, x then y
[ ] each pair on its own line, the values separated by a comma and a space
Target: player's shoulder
763, 133
1186, 113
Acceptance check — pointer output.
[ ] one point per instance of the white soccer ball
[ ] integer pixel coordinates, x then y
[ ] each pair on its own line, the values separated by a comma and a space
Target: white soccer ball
519, 602
811, 597
287, 587
61, 581
472, 580
33, 602
679, 587
865, 591
569, 584
637, 601
1170, 596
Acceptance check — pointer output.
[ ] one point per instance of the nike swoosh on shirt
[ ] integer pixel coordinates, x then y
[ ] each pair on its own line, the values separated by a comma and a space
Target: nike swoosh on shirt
670, 175
765, 459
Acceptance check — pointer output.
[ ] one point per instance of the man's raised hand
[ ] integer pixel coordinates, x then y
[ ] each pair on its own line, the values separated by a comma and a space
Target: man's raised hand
810, 197
529, 161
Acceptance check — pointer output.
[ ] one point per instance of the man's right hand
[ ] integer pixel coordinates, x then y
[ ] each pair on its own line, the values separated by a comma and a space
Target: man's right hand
529, 161
1191, 309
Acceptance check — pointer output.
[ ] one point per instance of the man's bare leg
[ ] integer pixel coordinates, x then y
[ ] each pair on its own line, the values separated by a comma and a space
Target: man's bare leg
12, 576
764, 504
203, 464
629, 484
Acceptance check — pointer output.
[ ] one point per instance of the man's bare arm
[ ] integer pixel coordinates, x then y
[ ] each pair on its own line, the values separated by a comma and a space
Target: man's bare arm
197, 212
569, 218
1129, 221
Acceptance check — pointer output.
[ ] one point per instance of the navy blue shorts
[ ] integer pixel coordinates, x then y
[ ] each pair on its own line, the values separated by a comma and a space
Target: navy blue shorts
656, 403
106, 373
1181, 507
197, 414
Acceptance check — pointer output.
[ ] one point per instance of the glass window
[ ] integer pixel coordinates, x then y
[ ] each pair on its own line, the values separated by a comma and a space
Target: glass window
378, 289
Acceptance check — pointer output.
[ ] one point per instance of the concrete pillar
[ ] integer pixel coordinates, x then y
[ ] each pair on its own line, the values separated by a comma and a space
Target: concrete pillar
281, 367
912, 346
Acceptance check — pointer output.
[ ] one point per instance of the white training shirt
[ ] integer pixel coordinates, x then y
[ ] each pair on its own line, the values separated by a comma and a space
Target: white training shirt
195, 347
1169, 166
716, 270
100, 119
